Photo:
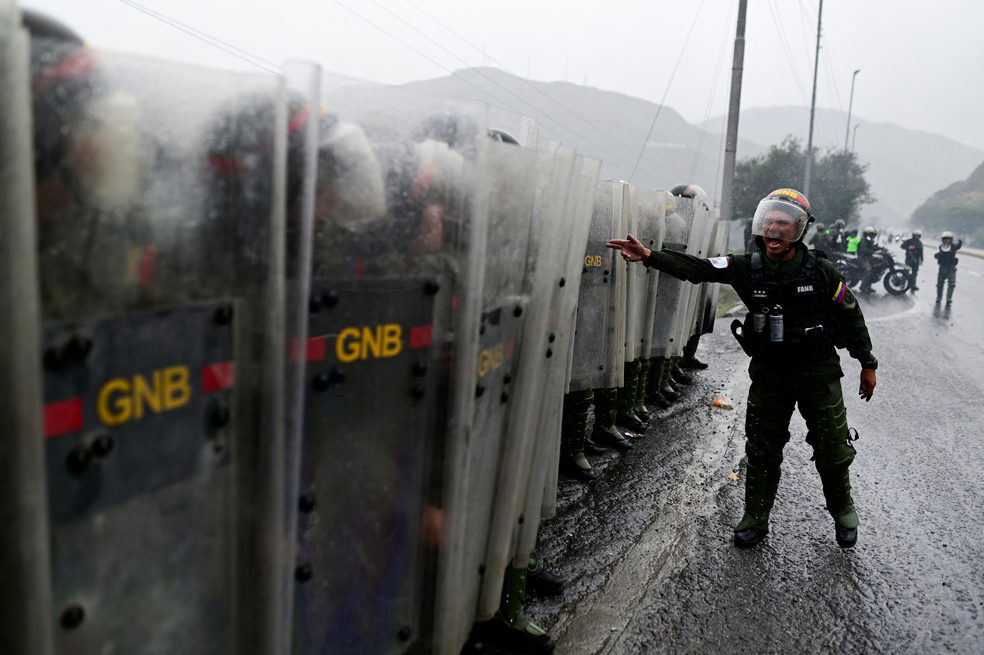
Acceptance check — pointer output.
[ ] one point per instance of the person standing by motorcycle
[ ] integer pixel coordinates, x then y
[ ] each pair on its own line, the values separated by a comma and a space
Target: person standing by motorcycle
947, 259
821, 239
837, 238
867, 248
913, 248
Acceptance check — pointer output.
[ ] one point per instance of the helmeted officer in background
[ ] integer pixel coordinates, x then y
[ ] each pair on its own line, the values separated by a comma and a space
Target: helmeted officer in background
867, 247
801, 309
838, 237
913, 247
821, 239
946, 257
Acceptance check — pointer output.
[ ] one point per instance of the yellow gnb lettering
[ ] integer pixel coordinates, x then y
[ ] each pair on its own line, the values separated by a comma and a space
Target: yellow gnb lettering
392, 344
176, 390
143, 393
114, 411
371, 341
592, 260
346, 349
490, 359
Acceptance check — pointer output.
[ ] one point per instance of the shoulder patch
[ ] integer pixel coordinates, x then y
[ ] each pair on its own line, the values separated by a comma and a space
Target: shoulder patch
719, 262
840, 293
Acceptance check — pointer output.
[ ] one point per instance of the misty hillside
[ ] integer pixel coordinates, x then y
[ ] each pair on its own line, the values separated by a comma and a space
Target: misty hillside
905, 166
958, 208
602, 124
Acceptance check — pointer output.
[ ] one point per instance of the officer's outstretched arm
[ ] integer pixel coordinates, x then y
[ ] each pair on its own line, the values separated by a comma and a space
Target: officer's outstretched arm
632, 249
868, 382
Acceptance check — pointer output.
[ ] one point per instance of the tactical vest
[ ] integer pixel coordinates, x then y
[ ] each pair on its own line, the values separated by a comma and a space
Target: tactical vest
810, 334
947, 258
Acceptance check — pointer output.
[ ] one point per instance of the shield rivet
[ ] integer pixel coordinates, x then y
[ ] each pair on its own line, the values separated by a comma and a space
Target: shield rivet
102, 446
303, 573
307, 503
418, 391
563, 281
553, 337
220, 416
322, 381
337, 375
404, 633
223, 315
72, 617
431, 287
549, 352
330, 298
504, 397
479, 390
78, 459
420, 369
518, 311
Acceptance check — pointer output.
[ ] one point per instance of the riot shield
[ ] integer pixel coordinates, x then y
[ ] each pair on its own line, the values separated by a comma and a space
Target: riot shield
554, 181
541, 498
25, 595
390, 364
597, 341
719, 249
646, 216
523, 128
163, 293
671, 296
471, 479
653, 207
699, 242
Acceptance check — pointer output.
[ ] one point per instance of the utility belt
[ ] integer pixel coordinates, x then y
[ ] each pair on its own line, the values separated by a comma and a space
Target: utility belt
766, 338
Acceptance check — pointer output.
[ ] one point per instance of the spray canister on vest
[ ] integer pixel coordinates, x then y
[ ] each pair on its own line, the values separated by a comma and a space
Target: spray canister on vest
759, 319
776, 327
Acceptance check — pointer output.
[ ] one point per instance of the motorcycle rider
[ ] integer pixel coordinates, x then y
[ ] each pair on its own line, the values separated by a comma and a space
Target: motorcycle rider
867, 247
913, 248
946, 257
821, 240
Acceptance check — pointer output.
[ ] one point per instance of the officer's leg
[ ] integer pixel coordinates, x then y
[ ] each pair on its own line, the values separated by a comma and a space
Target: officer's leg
915, 275
625, 416
865, 275
511, 629
770, 405
605, 432
665, 389
951, 278
639, 407
572, 435
940, 280
826, 419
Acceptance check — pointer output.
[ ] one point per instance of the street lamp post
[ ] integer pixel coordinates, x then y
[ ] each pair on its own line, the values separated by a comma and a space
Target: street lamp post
849, 106
854, 141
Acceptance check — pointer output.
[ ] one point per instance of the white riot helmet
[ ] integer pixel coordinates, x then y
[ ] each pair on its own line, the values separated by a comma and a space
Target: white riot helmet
783, 214
917, 233
947, 235
870, 232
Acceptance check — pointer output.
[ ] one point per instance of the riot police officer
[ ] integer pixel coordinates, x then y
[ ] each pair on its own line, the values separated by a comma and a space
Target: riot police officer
866, 249
946, 257
794, 361
913, 248
837, 239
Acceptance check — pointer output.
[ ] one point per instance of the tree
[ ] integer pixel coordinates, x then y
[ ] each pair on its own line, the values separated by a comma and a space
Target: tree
837, 185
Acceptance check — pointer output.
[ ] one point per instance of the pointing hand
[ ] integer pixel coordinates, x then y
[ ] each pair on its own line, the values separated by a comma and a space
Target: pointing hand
632, 249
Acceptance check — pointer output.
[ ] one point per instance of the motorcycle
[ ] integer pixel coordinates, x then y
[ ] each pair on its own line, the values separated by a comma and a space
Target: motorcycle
898, 278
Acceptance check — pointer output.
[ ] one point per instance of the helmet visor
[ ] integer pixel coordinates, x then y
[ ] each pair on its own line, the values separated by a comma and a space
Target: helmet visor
779, 219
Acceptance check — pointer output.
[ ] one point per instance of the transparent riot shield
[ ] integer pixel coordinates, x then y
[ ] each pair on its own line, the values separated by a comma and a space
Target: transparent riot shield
473, 465
556, 175
597, 341
393, 341
671, 295
645, 212
523, 128
699, 242
25, 624
541, 498
163, 291
652, 205
719, 249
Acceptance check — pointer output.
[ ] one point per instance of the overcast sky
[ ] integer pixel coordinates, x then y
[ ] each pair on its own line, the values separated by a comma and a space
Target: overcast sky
920, 60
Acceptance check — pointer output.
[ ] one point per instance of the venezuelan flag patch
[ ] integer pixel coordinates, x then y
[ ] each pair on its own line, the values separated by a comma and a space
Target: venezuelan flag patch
841, 292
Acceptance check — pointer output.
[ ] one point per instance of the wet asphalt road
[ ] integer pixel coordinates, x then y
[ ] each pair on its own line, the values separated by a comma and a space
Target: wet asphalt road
648, 546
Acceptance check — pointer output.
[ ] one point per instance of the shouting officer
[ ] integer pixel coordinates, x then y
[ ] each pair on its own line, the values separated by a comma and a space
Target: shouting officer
913, 248
801, 309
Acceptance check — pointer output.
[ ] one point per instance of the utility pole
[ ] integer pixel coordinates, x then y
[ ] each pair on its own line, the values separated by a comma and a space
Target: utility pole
813, 108
854, 141
731, 140
849, 106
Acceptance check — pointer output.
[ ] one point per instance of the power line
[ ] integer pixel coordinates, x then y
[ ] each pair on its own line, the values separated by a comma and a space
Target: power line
211, 40
506, 68
786, 48
663, 101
